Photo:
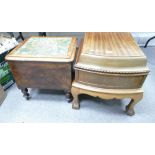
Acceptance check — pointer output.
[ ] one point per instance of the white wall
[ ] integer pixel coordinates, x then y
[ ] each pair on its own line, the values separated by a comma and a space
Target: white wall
140, 37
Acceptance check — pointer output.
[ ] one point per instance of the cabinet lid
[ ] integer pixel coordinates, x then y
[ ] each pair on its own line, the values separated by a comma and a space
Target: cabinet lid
45, 49
111, 52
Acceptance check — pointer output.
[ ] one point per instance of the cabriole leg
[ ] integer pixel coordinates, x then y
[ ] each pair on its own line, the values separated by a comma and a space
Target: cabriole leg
130, 107
75, 102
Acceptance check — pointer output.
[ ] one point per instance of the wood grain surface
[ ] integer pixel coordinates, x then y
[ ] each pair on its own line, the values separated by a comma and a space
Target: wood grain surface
42, 75
110, 44
111, 52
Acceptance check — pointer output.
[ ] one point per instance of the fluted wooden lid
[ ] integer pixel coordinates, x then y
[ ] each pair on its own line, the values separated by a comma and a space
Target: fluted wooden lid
111, 51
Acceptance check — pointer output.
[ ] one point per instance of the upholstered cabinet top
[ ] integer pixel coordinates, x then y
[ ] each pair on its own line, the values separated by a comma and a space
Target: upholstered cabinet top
45, 49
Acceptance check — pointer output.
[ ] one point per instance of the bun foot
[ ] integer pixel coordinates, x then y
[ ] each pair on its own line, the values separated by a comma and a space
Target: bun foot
69, 97
69, 100
25, 93
28, 97
130, 112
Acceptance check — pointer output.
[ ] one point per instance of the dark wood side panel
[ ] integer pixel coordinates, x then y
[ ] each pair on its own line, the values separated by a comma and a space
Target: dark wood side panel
42, 75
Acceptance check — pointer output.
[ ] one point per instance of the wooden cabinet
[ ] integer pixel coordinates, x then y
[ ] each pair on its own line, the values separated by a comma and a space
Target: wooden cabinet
110, 65
44, 63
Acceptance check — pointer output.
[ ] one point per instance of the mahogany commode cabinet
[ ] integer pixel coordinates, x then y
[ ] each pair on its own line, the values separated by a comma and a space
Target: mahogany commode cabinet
110, 66
44, 63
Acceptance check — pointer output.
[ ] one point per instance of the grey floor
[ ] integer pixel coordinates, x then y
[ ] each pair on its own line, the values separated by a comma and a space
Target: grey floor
50, 106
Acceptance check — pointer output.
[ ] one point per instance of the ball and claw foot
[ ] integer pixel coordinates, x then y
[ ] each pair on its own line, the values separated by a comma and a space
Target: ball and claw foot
129, 111
75, 106
75, 103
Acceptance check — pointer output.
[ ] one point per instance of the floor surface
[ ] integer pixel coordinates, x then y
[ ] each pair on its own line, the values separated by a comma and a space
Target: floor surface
50, 106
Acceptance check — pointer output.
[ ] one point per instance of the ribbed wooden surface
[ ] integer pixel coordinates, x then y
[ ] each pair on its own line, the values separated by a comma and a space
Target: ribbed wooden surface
110, 44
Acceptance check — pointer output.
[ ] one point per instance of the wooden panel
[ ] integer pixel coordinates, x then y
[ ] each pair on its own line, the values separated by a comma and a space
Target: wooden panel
110, 81
42, 75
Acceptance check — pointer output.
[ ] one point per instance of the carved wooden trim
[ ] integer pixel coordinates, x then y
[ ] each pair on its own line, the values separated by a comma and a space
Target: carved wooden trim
135, 95
97, 70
